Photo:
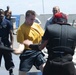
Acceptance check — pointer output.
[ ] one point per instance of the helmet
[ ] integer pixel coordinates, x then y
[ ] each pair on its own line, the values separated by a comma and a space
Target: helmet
60, 18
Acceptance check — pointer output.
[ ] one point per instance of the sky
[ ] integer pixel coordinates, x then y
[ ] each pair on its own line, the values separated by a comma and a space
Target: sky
39, 6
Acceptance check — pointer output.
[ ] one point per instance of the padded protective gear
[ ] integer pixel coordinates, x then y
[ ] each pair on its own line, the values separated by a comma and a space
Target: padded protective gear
63, 36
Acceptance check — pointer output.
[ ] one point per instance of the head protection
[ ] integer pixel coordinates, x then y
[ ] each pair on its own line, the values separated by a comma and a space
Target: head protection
60, 18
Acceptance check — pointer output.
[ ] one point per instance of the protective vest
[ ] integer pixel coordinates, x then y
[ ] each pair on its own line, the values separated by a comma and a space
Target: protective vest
62, 38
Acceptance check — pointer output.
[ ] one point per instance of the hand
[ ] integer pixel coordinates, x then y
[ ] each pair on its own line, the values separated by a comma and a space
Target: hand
19, 50
27, 42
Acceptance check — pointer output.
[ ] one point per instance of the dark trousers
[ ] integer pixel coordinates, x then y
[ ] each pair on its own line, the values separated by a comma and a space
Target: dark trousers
7, 58
59, 68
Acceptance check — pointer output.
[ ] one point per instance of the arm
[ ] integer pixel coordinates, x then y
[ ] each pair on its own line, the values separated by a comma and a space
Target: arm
36, 46
21, 47
43, 44
11, 38
20, 38
39, 46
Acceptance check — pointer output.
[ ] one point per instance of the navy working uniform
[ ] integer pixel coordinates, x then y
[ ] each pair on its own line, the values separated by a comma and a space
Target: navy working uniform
5, 27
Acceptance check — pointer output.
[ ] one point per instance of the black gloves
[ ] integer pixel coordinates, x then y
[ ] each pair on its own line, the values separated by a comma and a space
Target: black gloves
34, 46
